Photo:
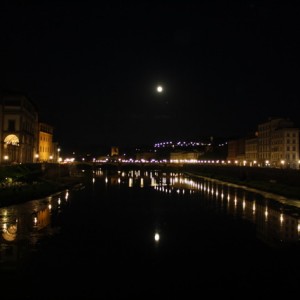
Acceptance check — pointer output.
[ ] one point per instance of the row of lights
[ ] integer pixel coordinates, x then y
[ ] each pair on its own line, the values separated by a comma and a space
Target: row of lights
194, 161
6, 157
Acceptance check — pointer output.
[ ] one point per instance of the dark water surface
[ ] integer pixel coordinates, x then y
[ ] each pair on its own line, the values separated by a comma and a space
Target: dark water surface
150, 235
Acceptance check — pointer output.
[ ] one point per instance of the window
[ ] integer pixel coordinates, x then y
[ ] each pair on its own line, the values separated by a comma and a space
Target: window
11, 125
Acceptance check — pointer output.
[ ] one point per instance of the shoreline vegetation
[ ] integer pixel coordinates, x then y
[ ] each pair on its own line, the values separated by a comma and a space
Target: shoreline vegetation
21, 183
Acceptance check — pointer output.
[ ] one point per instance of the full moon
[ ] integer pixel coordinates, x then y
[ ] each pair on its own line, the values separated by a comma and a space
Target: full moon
159, 89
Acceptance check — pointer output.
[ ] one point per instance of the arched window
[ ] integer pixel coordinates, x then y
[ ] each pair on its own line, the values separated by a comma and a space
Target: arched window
11, 139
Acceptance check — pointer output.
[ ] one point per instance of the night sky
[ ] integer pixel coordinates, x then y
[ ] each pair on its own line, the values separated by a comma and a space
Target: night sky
92, 67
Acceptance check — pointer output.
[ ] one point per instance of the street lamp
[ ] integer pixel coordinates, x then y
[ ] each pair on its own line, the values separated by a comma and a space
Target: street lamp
58, 152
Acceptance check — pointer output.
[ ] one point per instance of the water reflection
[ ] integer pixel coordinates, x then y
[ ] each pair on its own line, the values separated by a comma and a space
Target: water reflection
23, 226
276, 219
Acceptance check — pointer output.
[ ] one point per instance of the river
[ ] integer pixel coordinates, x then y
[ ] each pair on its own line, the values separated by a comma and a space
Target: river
149, 234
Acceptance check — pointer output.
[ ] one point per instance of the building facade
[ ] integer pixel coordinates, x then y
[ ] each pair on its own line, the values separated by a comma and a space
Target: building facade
18, 129
285, 148
265, 135
45, 147
236, 151
276, 145
251, 151
184, 156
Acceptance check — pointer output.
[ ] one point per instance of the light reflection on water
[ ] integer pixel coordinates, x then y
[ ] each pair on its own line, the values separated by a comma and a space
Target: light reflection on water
276, 218
23, 226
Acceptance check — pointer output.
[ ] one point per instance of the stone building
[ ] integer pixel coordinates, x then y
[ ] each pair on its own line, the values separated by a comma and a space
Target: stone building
45, 144
18, 129
276, 145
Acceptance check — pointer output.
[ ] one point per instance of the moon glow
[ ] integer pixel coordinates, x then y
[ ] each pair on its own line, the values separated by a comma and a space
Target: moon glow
159, 89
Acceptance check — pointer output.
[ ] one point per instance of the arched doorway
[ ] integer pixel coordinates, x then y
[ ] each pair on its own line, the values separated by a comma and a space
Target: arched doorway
11, 148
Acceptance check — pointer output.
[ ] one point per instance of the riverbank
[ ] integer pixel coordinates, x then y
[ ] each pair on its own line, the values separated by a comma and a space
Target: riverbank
33, 181
20, 194
27, 182
282, 182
